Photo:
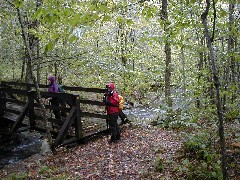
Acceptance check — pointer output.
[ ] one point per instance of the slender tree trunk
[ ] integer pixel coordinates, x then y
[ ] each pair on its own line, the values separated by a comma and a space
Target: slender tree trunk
132, 39
30, 61
215, 75
231, 48
23, 68
122, 44
55, 70
200, 68
225, 80
39, 64
183, 74
231, 42
167, 50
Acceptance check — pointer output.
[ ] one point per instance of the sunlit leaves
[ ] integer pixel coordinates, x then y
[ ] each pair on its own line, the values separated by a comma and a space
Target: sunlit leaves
18, 3
222, 13
149, 12
74, 20
122, 20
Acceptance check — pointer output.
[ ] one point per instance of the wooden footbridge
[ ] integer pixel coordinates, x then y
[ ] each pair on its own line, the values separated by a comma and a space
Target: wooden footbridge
83, 108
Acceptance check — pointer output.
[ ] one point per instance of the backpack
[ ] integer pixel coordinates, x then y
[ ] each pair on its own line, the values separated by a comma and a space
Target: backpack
121, 102
60, 89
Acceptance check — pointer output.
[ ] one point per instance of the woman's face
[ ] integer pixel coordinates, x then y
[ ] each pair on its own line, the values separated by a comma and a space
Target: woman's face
49, 82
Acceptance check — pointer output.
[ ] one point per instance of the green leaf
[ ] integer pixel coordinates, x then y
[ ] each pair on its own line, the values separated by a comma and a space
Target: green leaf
149, 12
18, 3
193, 1
95, 17
223, 13
49, 47
120, 19
130, 22
74, 21
55, 36
102, 8
38, 14
185, 161
72, 39
106, 18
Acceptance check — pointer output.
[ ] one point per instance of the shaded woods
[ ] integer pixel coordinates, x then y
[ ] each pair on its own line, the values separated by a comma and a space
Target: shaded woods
177, 62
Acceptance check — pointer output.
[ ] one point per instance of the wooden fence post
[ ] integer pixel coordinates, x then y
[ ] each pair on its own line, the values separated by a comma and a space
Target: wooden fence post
3, 103
32, 121
78, 124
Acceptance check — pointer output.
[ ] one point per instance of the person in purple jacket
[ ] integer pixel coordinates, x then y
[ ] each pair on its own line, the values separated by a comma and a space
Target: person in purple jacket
53, 87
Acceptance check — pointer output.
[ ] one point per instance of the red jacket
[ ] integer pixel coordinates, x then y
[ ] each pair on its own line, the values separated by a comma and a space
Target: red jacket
113, 99
115, 102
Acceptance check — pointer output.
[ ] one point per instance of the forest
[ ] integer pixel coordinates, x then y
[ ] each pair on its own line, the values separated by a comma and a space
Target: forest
176, 61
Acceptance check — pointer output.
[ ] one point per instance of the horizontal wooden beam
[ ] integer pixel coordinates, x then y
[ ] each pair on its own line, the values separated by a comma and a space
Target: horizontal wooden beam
88, 114
98, 103
70, 88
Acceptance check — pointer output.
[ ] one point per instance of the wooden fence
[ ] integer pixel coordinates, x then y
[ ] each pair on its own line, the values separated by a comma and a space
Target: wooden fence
20, 110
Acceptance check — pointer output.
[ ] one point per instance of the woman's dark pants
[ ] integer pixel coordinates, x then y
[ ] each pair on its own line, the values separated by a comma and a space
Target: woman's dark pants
114, 128
55, 102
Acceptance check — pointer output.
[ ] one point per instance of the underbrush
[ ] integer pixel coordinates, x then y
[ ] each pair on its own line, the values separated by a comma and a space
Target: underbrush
200, 157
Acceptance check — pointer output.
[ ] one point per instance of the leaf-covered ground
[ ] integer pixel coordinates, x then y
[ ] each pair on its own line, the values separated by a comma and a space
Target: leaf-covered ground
133, 157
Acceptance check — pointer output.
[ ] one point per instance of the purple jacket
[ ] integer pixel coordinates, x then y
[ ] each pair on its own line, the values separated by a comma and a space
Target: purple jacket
53, 87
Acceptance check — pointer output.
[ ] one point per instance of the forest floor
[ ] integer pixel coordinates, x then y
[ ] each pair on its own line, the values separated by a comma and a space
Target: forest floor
141, 153
144, 152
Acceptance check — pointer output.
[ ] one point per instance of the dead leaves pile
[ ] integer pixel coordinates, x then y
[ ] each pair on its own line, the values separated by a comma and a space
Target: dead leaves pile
132, 157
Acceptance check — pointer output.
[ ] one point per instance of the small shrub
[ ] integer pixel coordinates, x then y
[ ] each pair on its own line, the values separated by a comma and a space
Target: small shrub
45, 170
198, 144
202, 161
20, 176
159, 164
231, 114
200, 169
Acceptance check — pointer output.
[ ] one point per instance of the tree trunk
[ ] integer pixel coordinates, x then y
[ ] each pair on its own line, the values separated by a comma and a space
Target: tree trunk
167, 50
200, 68
215, 75
231, 42
23, 69
183, 74
231, 48
30, 61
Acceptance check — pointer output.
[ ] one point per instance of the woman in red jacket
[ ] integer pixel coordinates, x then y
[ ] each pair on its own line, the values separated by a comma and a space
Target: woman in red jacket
112, 107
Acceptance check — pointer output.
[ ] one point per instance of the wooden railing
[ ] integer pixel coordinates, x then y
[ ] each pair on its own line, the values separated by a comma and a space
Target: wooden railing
20, 109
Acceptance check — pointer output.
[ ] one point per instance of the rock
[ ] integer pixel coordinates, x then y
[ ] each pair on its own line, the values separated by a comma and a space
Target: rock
154, 123
145, 125
45, 148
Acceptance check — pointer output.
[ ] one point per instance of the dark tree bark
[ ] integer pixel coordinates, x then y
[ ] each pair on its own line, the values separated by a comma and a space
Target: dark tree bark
167, 50
183, 74
200, 68
231, 48
231, 41
214, 71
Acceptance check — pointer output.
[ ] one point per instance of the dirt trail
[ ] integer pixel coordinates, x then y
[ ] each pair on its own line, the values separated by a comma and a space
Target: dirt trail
133, 157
